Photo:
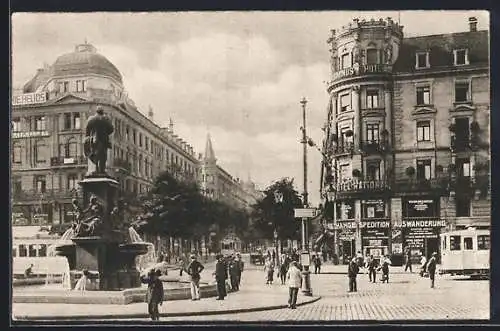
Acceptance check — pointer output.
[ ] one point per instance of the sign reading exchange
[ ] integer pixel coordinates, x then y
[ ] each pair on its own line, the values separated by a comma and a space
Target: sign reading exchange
29, 98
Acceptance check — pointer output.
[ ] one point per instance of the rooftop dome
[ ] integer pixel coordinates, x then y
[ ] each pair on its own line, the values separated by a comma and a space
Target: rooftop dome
85, 59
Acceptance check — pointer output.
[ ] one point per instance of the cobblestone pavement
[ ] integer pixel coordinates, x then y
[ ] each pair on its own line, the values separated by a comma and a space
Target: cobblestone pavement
406, 297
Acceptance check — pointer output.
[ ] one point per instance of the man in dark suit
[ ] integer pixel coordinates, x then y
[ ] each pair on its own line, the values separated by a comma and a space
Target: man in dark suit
352, 273
220, 277
431, 268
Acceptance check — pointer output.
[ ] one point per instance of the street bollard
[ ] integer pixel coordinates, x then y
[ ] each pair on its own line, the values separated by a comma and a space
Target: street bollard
306, 282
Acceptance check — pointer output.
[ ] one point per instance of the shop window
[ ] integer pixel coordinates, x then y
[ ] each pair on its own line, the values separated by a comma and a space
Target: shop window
371, 56
423, 131
483, 242
461, 57
345, 102
16, 125
373, 209
348, 210
422, 60
468, 243
23, 251
423, 95
371, 99
455, 243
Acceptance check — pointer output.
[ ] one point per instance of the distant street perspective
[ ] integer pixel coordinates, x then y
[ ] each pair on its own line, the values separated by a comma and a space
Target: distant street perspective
230, 167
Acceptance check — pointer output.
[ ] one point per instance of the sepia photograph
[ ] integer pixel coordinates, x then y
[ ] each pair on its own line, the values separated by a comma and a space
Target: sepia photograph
250, 166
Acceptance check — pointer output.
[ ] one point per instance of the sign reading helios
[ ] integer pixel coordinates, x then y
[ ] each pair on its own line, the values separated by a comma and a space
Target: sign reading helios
29, 98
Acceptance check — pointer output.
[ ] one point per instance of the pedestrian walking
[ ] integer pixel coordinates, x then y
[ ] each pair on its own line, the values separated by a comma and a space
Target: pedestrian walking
352, 273
269, 269
220, 274
431, 268
194, 270
372, 269
294, 278
285, 265
385, 269
317, 264
423, 266
408, 259
154, 294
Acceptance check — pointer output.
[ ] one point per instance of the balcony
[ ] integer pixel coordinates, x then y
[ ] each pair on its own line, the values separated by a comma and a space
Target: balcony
353, 186
460, 144
415, 185
470, 185
345, 148
33, 195
373, 147
360, 70
59, 161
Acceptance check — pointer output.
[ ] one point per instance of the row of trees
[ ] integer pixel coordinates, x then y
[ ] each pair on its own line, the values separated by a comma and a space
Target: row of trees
176, 208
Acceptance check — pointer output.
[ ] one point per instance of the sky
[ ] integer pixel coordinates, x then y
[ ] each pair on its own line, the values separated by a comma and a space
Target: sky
238, 75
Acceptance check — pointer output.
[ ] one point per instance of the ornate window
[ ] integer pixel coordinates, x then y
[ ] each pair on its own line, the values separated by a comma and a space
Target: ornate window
16, 124
39, 151
17, 152
423, 130
423, 95
371, 56
40, 123
462, 91
372, 99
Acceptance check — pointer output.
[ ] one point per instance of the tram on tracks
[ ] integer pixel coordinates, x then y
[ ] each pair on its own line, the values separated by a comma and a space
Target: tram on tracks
466, 253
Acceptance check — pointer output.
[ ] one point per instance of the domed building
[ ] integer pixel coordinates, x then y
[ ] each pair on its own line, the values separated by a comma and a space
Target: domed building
48, 120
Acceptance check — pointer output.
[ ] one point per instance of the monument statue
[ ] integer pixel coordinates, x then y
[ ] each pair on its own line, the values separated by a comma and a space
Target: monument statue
97, 142
88, 221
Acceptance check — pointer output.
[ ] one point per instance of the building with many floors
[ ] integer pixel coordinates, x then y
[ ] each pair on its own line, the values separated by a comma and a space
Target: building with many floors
48, 119
48, 127
407, 137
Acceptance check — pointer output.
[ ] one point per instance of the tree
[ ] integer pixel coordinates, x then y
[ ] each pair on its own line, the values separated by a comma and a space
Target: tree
270, 215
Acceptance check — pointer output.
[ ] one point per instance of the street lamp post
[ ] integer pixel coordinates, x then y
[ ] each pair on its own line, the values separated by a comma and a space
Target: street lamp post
306, 279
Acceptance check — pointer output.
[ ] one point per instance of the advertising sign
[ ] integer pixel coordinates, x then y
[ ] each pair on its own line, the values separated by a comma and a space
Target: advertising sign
29, 98
304, 212
29, 134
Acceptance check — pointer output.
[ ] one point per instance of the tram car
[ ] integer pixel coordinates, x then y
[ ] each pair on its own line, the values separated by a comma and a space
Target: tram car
466, 252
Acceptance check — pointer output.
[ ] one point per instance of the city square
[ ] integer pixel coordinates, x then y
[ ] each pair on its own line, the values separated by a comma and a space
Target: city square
366, 153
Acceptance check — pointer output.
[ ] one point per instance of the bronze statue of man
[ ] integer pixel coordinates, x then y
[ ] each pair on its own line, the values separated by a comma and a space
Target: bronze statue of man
97, 141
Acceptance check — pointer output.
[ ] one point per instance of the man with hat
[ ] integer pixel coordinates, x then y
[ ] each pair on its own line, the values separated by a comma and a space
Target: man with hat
154, 295
220, 277
431, 268
194, 269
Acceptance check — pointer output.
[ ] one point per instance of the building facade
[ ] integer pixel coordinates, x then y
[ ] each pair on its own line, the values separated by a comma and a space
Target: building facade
48, 120
407, 137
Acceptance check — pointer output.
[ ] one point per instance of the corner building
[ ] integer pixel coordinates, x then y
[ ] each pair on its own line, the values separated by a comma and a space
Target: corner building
407, 133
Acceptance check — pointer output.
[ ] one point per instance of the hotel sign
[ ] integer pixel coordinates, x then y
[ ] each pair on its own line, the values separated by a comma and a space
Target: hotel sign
29, 98
357, 70
30, 134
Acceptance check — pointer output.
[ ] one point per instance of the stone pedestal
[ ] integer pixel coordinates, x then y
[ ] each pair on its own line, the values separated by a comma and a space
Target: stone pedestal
104, 188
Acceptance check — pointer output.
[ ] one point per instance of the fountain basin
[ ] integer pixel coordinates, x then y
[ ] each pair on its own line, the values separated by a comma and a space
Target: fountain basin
127, 296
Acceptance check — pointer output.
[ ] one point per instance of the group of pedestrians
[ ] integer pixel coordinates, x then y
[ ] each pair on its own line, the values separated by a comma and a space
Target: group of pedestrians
231, 268
427, 267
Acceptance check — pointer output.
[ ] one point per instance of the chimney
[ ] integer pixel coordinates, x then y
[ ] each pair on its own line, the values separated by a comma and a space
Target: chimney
472, 24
